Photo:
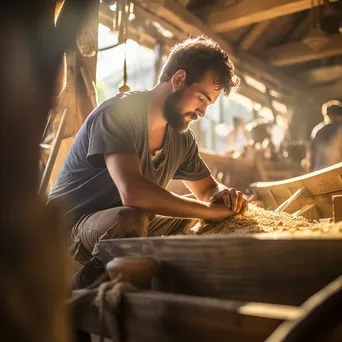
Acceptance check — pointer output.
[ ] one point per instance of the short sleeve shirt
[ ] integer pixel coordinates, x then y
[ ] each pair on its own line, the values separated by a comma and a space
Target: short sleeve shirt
120, 125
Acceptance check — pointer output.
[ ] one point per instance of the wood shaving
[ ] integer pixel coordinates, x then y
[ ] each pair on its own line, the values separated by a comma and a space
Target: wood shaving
259, 220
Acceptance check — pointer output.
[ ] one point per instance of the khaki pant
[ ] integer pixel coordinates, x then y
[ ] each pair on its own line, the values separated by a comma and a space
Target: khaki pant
118, 223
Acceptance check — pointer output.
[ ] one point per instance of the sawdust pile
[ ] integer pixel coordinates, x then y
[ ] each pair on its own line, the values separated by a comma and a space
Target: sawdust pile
259, 220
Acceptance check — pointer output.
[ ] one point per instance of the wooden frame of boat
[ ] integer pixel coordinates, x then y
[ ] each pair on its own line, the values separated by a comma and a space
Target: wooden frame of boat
309, 195
221, 288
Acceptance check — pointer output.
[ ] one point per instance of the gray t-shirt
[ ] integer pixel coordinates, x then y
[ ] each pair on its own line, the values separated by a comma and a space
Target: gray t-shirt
119, 125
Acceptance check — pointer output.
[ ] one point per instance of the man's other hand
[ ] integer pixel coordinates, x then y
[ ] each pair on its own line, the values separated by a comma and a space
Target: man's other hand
232, 199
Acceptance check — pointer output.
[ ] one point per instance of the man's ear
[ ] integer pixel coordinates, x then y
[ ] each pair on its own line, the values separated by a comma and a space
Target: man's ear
178, 79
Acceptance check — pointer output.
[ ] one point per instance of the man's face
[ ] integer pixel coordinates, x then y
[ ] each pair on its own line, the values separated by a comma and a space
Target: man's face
188, 103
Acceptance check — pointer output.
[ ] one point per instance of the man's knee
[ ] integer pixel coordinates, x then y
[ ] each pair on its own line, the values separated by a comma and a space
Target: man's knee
124, 222
134, 221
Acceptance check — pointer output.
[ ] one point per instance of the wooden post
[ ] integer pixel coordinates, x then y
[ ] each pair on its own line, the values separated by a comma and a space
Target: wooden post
158, 62
337, 208
80, 93
53, 155
33, 258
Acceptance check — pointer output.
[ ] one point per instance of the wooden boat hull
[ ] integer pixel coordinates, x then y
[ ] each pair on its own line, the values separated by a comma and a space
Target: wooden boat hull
320, 187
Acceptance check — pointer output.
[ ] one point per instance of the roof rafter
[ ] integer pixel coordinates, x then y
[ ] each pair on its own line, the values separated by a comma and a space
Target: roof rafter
178, 16
252, 36
251, 11
324, 74
299, 52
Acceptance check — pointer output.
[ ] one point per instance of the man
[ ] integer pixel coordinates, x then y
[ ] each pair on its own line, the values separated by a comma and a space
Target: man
237, 138
325, 119
112, 183
305, 163
326, 146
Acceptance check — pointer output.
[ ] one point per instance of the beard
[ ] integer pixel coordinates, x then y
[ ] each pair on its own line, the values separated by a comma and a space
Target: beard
175, 118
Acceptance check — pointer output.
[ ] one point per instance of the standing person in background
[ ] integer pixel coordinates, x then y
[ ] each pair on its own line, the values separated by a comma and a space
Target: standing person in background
325, 118
306, 162
237, 138
326, 145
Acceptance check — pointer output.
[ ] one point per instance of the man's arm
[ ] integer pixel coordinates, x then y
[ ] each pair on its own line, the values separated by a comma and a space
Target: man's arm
208, 189
136, 191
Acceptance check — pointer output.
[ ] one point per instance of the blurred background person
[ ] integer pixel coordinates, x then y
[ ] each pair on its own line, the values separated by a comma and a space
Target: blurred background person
326, 146
237, 138
306, 163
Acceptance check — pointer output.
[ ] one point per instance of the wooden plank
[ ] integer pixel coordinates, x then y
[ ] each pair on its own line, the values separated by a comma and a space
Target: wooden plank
253, 35
158, 62
290, 200
152, 316
337, 208
302, 27
322, 75
63, 151
177, 16
106, 18
248, 12
299, 52
321, 185
320, 317
53, 155
173, 318
282, 270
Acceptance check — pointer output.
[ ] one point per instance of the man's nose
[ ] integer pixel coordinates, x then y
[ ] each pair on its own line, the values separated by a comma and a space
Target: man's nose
201, 111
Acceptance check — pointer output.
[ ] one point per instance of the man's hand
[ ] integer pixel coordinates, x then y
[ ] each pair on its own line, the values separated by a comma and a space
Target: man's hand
232, 199
218, 212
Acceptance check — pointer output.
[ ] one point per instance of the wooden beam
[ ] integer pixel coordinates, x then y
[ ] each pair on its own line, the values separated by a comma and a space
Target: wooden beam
146, 13
322, 75
253, 94
253, 35
184, 2
188, 22
299, 52
337, 208
158, 62
250, 12
154, 316
185, 21
326, 93
301, 28
106, 19
244, 268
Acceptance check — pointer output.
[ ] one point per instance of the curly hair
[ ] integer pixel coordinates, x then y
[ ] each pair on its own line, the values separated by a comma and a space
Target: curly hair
196, 56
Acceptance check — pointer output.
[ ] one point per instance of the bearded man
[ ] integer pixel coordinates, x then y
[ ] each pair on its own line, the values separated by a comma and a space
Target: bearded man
112, 184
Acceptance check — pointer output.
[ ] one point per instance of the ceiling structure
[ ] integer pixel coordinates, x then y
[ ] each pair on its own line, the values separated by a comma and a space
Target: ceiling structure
266, 40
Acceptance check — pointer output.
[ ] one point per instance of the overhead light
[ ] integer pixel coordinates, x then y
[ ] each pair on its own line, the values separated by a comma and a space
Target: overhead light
113, 7
316, 38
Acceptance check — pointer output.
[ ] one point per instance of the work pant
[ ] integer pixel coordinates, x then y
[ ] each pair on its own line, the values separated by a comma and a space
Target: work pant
118, 223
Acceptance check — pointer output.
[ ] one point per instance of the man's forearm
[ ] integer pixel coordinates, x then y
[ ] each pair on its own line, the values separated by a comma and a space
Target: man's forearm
152, 198
210, 192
